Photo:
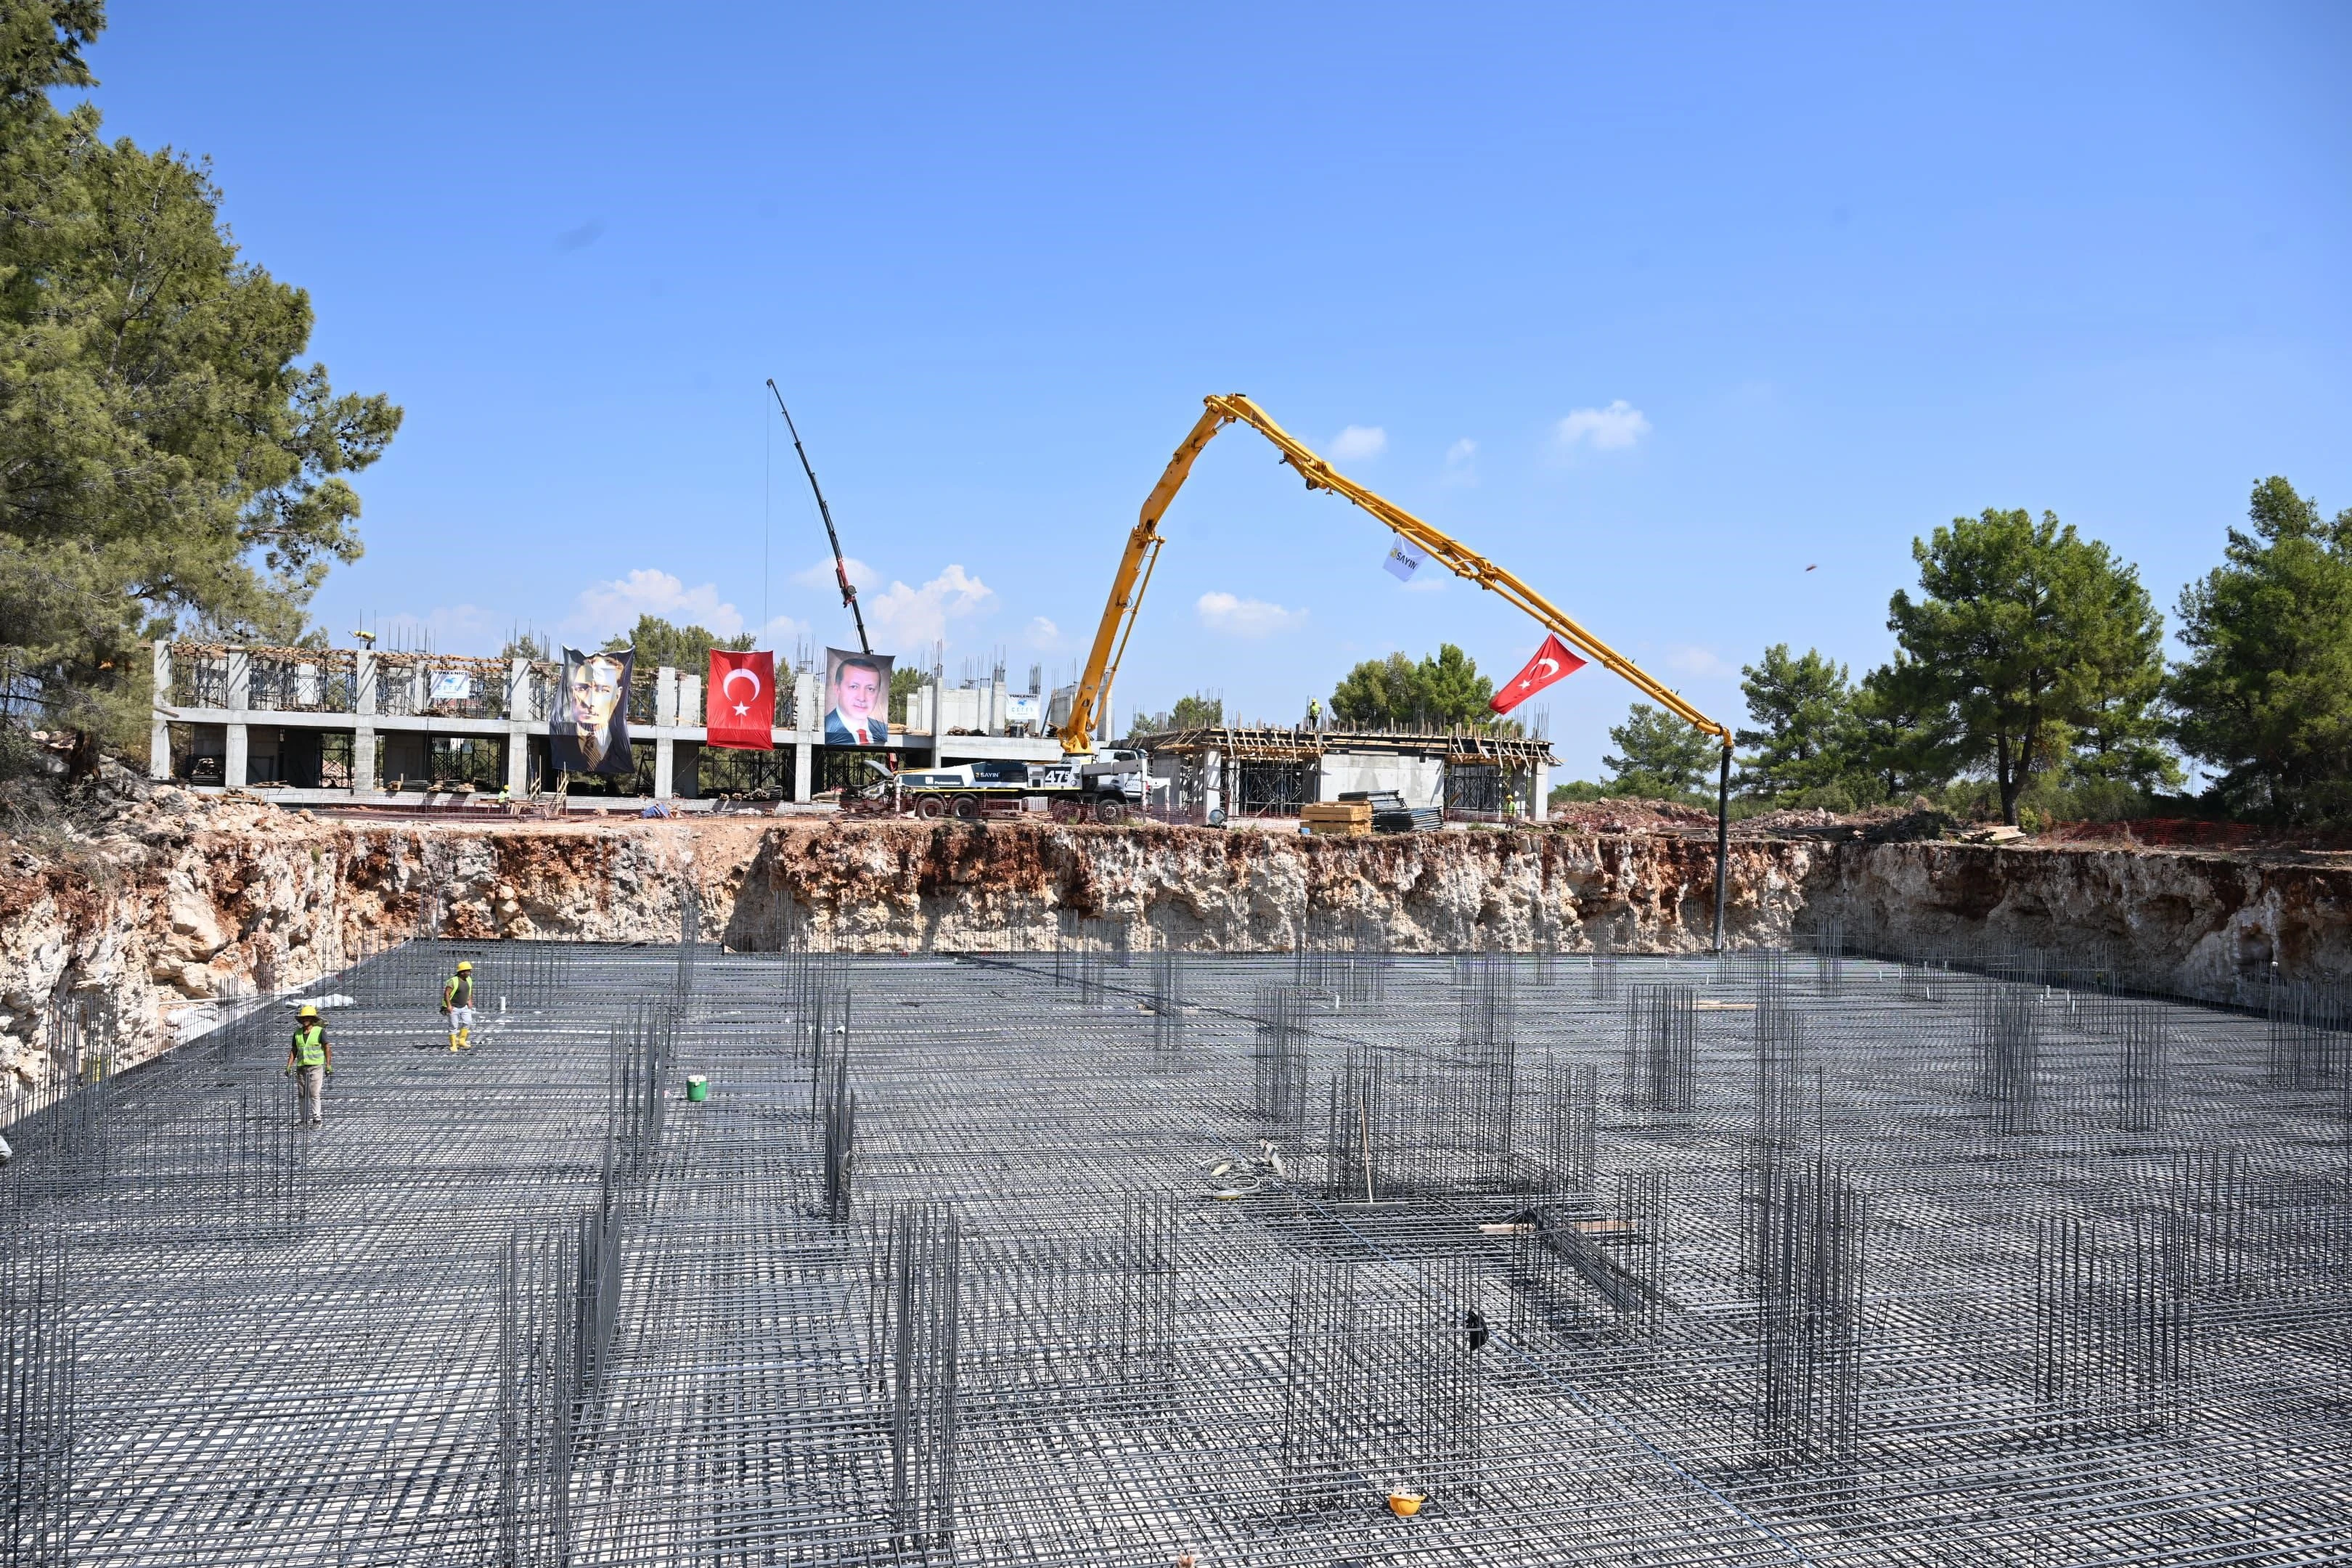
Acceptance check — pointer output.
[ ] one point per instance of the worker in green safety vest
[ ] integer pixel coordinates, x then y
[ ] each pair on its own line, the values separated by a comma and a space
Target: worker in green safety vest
457, 1004
312, 1060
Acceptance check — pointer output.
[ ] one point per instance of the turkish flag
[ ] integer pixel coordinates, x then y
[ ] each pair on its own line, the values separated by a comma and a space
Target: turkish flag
738, 706
1552, 662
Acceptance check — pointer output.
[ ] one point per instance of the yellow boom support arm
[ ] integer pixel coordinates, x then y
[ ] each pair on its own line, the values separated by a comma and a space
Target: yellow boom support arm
1143, 552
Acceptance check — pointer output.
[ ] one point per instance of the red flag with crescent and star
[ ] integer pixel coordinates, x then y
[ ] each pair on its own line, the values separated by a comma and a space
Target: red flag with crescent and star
740, 704
1552, 662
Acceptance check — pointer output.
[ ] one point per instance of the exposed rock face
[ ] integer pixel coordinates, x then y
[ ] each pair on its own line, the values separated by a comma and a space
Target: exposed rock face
143, 910
2210, 926
890, 887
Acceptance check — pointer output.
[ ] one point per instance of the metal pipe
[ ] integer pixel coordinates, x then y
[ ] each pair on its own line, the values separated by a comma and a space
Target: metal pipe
1722, 841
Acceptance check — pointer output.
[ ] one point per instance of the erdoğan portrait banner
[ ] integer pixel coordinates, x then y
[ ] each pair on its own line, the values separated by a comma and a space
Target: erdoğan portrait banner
739, 705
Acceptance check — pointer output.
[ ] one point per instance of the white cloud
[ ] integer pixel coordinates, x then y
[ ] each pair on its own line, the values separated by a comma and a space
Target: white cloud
1358, 442
1245, 617
909, 619
1042, 635
1461, 462
862, 577
604, 608
1608, 429
780, 632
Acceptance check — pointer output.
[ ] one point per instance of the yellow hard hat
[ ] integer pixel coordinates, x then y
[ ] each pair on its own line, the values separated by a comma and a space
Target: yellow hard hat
309, 1010
466, 966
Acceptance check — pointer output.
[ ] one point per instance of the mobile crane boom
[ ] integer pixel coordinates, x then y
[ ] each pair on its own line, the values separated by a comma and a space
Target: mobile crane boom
840, 569
1142, 553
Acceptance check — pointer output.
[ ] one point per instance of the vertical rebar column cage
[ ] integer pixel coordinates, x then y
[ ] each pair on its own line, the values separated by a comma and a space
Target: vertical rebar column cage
2309, 1036
1149, 1246
1355, 1129
1380, 1388
2143, 1069
1487, 1048
1167, 999
2008, 1055
1661, 1066
1278, 1057
1809, 1247
37, 1347
2113, 1324
915, 1316
1572, 1130
837, 1116
1780, 1056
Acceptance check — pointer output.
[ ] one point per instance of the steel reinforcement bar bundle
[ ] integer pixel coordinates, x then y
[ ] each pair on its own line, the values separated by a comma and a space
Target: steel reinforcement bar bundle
1111, 1256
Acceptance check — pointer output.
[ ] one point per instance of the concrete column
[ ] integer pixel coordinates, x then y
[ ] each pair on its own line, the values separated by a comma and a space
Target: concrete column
804, 770
159, 736
808, 705
1536, 792
363, 729
519, 690
240, 692
689, 699
1212, 780
665, 718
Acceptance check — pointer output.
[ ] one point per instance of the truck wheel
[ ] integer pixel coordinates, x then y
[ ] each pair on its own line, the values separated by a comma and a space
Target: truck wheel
930, 808
1109, 810
967, 807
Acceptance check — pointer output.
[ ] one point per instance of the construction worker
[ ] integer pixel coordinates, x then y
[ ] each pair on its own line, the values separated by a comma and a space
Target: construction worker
312, 1060
457, 1006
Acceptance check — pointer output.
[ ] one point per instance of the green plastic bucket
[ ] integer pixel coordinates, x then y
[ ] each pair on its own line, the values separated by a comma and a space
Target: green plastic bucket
697, 1088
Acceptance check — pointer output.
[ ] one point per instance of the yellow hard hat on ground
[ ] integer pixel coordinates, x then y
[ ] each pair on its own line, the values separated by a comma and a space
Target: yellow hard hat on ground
309, 1010
466, 966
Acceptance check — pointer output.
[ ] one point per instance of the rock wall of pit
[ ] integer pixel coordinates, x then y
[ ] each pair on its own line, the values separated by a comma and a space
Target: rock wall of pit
149, 915
2209, 926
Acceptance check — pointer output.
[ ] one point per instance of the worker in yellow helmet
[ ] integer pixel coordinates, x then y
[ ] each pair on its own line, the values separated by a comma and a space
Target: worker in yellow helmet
312, 1060
457, 1006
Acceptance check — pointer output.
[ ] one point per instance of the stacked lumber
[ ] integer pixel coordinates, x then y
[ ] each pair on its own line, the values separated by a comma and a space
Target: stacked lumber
1340, 818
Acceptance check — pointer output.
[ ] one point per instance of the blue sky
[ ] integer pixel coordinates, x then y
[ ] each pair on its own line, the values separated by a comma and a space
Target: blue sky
1656, 305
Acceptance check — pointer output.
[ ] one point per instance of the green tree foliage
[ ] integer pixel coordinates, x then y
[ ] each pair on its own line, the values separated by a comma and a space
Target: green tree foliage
2029, 638
1197, 711
1663, 758
2266, 692
1440, 690
164, 456
1804, 740
685, 649
1903, 738
905, 682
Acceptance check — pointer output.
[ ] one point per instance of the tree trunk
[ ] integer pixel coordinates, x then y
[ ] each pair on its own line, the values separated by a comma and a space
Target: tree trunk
2004, 777
82, 761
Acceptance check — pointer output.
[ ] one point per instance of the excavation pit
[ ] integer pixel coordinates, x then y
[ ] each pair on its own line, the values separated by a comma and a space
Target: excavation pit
1835, 1262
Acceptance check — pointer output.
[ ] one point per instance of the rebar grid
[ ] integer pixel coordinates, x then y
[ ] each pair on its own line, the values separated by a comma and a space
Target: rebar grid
527, 1304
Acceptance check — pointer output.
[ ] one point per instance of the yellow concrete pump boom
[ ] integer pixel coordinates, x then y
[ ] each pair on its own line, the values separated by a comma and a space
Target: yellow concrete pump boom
1142, 554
